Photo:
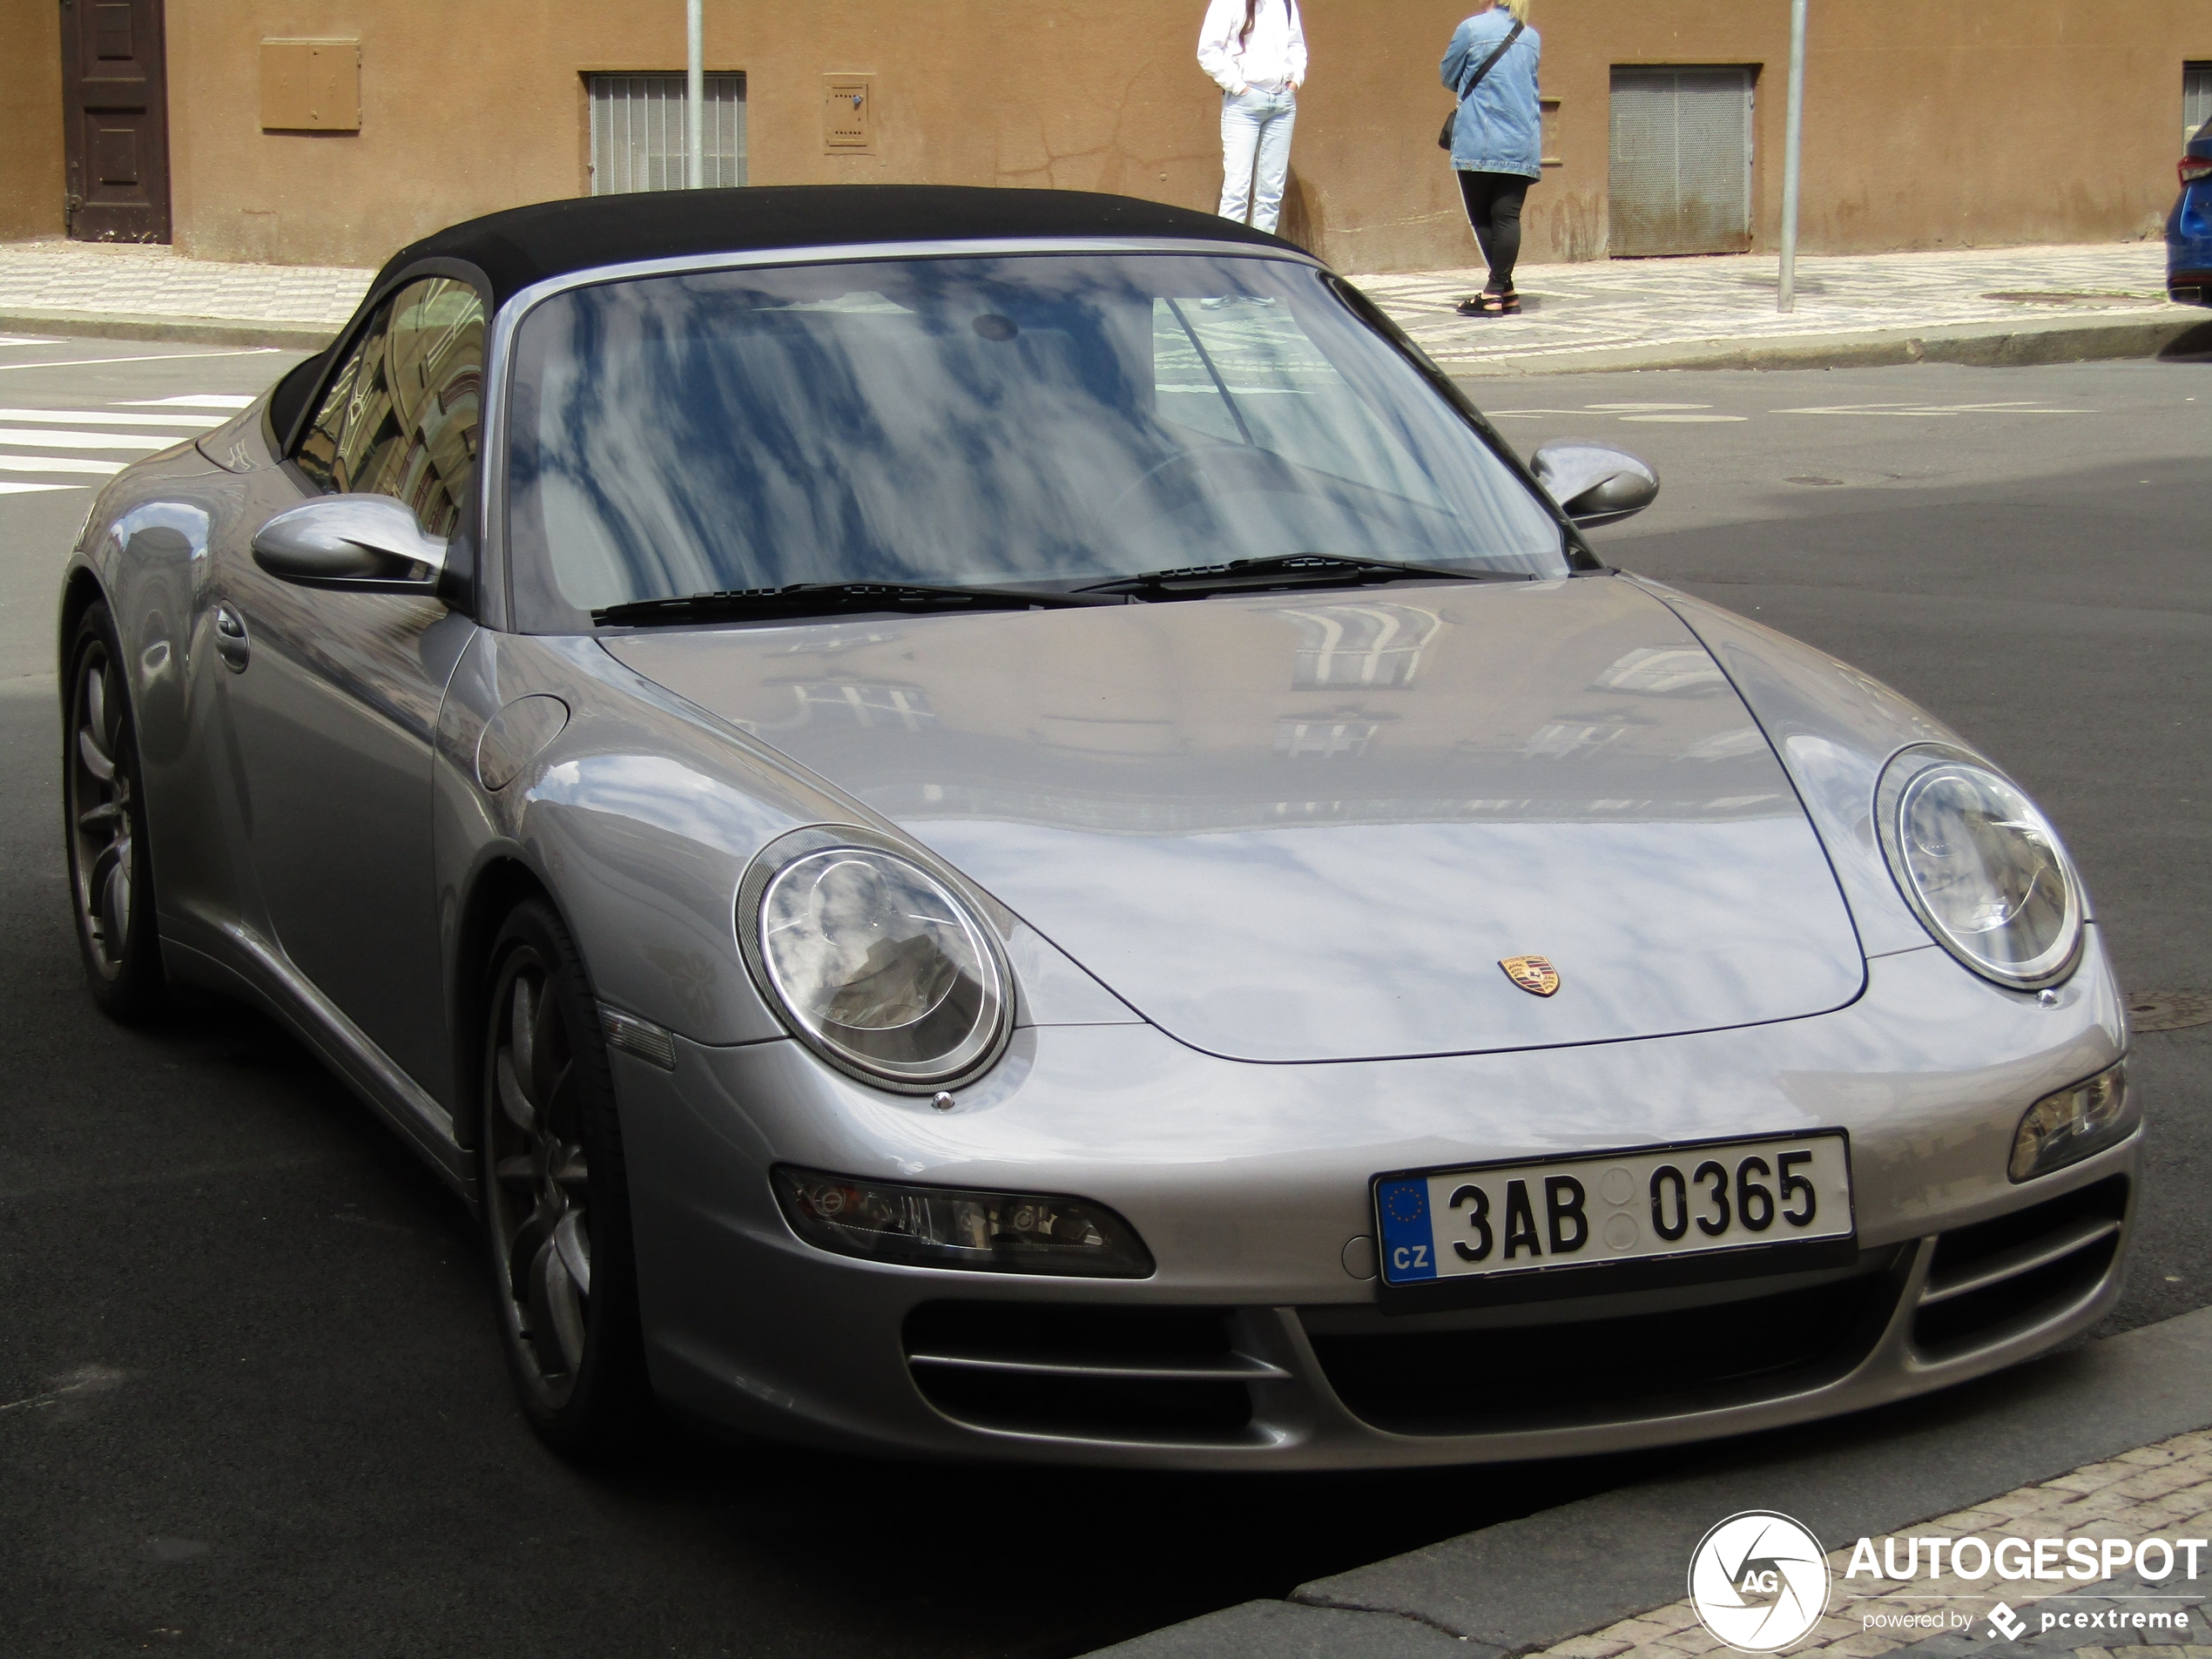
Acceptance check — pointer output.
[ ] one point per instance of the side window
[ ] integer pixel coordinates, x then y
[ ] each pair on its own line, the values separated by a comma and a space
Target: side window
401, 417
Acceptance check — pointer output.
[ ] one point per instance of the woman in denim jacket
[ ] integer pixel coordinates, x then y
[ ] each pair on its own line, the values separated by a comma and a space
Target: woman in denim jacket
1255, 50
1497, 141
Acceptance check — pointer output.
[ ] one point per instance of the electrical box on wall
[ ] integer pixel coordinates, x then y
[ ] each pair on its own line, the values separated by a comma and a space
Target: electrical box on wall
848, 115
311, 86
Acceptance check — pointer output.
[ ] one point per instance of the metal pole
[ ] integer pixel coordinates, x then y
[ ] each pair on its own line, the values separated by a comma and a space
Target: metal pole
694, 97
1786, 296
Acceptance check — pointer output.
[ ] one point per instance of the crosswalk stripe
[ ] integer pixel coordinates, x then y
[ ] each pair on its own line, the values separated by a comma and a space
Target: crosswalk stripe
8, 488
59, 463
191, 400
91, 417
30, 438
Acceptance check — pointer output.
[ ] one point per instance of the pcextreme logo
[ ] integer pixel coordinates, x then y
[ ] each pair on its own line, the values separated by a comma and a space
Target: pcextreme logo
1759, 1581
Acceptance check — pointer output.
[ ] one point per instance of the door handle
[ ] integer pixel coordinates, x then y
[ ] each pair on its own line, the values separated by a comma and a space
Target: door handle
231, 642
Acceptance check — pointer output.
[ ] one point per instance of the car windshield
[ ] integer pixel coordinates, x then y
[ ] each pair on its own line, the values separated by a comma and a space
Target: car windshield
1043, 420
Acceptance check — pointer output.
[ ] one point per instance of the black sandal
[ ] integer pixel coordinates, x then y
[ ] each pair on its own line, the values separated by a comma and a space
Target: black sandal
1490, 305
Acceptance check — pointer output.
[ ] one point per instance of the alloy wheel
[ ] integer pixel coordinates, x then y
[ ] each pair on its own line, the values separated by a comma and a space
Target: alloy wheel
100, 808
539, 1194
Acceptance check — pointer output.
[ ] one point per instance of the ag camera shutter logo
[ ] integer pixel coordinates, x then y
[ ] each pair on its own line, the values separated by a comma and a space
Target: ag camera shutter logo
1759, 1581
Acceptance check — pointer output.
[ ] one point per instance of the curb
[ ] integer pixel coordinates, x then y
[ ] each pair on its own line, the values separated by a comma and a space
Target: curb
1526, 1584
1973, 345
201, 331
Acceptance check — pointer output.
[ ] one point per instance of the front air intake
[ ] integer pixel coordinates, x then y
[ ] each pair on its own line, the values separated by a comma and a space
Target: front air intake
1569, 1373
1156, 1375
1998, 1278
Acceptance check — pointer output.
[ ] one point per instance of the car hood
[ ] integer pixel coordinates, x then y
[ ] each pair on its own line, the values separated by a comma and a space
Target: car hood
1310, 828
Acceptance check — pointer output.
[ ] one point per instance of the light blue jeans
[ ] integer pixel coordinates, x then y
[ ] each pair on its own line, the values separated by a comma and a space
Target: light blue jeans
1256, 153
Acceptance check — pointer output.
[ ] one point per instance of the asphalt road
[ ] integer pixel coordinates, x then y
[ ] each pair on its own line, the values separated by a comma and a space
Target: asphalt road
250, 1397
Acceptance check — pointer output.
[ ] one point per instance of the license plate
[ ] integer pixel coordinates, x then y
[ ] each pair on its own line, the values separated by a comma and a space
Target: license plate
1482, 1220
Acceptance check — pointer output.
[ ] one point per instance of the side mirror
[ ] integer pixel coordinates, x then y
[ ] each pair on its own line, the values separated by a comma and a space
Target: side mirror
1593, 483
361, 544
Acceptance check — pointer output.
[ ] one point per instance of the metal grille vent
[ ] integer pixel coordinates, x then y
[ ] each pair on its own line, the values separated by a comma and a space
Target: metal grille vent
637, 132
1681, 161
1157, 1375
1995, 1278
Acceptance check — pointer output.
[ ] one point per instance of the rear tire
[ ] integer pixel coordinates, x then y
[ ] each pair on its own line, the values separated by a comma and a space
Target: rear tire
556, 1194
111, 864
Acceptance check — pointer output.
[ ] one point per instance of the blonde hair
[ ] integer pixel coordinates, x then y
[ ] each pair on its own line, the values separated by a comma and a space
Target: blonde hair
1518, 8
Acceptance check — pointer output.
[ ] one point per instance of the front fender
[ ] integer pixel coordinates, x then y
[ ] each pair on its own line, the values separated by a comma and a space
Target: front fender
1835, 728
639, 817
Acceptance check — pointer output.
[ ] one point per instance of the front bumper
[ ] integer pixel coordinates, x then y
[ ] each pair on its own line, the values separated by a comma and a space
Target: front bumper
1255, 1345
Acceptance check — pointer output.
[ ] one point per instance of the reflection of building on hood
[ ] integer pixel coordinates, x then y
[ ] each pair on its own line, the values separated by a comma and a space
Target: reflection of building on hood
1322, 800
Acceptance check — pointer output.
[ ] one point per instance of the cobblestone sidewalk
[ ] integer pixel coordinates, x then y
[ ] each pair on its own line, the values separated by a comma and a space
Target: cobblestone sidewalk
2163, 1490
129, 279
1614, 303
1599, 306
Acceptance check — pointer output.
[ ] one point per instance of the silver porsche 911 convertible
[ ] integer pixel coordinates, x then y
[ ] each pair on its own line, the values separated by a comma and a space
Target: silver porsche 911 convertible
995, 823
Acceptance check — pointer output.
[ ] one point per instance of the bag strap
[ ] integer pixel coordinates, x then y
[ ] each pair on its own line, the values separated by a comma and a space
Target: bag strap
1491, 62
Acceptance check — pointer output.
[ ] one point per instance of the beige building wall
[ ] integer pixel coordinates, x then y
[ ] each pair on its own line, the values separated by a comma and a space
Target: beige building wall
1948, 123
31, 119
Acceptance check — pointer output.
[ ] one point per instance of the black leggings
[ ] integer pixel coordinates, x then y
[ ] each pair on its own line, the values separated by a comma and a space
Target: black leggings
1493, 208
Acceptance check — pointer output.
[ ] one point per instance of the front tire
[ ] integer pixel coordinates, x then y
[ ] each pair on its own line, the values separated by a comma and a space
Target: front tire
111, 872
556, 1194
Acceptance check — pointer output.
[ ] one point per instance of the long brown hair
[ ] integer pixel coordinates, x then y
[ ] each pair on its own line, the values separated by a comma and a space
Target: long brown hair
1251, 16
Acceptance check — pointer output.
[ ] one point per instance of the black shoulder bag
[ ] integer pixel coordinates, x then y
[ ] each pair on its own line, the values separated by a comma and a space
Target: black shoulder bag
1444, 138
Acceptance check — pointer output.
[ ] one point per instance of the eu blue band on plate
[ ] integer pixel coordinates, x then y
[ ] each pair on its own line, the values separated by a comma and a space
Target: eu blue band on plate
1408, 1251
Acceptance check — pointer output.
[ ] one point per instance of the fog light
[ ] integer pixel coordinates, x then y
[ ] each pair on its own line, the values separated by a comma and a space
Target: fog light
2068, 1126
1002, 1232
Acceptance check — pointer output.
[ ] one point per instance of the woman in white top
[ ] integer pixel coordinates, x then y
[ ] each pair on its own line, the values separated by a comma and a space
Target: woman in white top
1255, 50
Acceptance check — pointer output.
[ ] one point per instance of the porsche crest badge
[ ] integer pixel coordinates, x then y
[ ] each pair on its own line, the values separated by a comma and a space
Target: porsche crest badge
1535, 975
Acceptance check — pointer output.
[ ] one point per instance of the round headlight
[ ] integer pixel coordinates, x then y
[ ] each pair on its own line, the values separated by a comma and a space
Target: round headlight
872, 960
1980, 866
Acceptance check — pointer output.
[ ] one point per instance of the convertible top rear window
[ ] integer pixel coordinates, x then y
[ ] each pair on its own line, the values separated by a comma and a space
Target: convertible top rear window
1038, 421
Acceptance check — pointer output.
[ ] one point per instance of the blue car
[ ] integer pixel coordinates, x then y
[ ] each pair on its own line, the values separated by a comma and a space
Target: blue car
2188, 229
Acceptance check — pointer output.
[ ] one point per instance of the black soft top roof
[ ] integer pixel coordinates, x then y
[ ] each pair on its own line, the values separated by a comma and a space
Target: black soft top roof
526, 245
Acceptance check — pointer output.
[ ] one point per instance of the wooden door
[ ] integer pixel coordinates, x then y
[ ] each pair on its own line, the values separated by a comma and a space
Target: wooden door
115, 101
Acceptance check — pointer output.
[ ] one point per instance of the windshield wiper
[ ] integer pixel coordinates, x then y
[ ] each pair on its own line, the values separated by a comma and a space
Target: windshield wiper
1284, 571
825, 598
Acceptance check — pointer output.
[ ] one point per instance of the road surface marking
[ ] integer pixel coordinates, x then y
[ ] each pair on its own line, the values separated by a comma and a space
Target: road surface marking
1687, 420
1933, 409
150, 357
8, 487
58, 463
191, 401
98, 417
35, 437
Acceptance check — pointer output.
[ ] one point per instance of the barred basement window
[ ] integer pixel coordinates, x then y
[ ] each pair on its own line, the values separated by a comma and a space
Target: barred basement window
2196, 98
637, 140
1680, 173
